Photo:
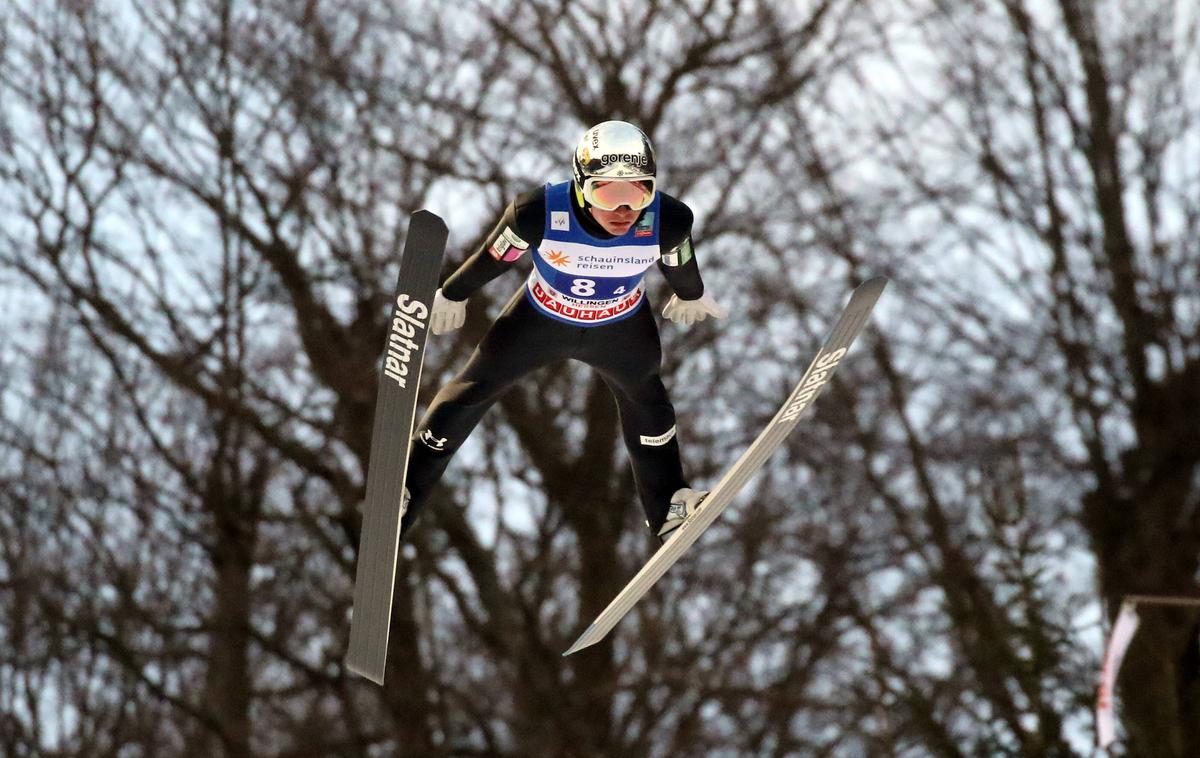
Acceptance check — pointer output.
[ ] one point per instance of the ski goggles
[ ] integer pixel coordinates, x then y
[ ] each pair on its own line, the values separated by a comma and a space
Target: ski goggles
610, 194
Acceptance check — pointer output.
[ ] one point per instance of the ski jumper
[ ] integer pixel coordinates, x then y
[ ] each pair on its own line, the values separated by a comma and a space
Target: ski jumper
584, 300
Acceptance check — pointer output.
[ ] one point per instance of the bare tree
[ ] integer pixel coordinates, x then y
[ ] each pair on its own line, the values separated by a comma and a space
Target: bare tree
1041, 152
202, 204
207, 198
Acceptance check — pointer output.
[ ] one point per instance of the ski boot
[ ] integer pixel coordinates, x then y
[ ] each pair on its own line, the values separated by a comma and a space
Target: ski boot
684, 503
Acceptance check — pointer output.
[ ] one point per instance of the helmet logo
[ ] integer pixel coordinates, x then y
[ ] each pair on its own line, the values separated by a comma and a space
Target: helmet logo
636, 160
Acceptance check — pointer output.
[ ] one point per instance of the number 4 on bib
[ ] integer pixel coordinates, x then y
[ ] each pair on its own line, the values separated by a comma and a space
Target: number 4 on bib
847, 328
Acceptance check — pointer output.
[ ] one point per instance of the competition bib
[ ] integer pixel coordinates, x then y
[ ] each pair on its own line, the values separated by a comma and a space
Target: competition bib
580, 279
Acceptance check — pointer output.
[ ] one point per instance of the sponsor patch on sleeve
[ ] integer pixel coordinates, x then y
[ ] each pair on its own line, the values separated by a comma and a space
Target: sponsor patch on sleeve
680, 254
508, 246
660, 440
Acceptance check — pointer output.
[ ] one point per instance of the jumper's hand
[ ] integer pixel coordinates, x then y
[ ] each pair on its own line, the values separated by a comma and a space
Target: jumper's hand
447, 315
687, 312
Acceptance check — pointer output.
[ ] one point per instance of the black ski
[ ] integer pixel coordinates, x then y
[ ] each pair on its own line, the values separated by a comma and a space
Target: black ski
395, 410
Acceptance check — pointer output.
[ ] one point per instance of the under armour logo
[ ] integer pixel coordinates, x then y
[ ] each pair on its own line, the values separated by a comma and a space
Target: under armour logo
437, 443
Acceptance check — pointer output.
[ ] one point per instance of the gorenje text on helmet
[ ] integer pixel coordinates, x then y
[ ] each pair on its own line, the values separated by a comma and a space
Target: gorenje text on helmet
637, 160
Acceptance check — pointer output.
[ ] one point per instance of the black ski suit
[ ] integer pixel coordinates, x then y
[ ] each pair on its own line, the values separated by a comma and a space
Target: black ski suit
627, 354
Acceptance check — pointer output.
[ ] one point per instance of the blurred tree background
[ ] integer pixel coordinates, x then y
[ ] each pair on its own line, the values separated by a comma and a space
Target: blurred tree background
202, 204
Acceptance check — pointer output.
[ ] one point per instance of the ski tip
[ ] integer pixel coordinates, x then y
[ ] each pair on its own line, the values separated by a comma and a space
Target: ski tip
426, 214
873, 286
428, 218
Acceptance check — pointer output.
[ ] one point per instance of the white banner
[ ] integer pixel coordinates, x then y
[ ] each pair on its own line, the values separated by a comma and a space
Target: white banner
1118, 643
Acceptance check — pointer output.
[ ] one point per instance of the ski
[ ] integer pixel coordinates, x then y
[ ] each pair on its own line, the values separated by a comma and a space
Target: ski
395, 409
847, 328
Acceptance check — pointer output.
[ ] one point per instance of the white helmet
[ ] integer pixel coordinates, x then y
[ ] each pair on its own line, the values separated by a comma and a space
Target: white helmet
618, 155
